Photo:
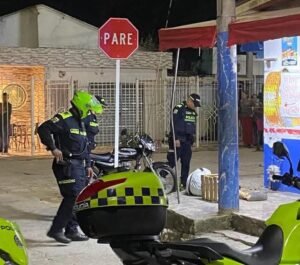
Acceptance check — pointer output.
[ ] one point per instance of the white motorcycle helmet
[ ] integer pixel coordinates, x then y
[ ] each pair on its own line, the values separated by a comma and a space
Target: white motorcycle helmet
193, 184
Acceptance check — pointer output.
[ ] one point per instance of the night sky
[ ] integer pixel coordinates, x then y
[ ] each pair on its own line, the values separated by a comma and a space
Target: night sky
147, 15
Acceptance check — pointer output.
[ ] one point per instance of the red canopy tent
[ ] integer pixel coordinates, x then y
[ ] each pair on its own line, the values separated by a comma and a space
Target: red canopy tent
258, 26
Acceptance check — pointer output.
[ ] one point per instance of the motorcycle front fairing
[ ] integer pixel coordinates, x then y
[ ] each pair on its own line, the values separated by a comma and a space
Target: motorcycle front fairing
12, 244
287, 216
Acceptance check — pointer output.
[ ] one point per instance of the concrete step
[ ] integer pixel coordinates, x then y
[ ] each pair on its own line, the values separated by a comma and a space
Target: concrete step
247, 224
232, 238
193, 216
244, 239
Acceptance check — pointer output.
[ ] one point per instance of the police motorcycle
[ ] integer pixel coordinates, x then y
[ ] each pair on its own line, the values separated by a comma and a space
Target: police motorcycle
128, 211
138, 148
12, 244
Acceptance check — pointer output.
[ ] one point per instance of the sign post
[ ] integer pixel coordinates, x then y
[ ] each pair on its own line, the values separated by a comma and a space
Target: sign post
118, 38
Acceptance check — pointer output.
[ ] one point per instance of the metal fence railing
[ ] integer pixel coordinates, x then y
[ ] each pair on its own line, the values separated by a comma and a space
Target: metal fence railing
144, 105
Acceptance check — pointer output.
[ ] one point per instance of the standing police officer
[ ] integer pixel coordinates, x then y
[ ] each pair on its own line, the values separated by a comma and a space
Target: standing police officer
184, 119
71, 164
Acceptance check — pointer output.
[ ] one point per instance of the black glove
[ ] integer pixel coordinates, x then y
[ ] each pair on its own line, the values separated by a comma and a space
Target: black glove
287, 179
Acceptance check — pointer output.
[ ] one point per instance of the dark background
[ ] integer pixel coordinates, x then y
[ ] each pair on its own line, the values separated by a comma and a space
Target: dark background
147, 15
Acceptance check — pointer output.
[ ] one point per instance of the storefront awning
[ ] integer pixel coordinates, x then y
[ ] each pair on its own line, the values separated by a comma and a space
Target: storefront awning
188, 36
259, 26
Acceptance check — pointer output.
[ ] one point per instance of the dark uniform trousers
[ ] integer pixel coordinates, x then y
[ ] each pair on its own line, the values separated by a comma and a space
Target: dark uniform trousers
70, 137
184, 153
71, 180
184, 130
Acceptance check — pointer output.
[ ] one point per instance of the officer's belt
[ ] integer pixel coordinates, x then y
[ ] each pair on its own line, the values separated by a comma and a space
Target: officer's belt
77, 161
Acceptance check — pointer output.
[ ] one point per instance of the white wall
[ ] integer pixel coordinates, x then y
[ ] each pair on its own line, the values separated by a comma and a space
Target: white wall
19, 29
273, 57
84, 76
42, 26
59, 30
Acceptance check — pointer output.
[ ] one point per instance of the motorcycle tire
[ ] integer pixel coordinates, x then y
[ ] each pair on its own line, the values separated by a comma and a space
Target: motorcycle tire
167, 177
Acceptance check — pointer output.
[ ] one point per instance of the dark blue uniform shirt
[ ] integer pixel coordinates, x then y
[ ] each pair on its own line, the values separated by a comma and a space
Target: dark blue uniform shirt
69, 135
184, 122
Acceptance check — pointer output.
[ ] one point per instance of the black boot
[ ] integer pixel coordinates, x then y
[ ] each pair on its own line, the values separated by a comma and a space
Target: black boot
76, 236
59, 237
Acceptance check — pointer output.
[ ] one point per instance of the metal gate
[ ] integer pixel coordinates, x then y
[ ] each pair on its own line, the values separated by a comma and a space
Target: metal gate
144, 106
131, 110
58, 95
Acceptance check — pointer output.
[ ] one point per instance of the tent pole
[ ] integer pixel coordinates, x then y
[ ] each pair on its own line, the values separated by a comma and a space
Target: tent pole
172, 124
227, 112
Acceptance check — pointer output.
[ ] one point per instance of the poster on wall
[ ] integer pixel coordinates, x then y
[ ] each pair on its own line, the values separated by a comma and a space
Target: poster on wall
281, 107
289, 47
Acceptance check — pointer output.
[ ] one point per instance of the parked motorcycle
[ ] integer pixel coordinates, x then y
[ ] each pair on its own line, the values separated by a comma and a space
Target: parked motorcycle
138, 148
128, 211
12, 244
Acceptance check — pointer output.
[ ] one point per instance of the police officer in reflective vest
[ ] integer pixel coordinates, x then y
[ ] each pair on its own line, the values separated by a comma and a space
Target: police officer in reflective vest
184, 118
71, 164
92, 126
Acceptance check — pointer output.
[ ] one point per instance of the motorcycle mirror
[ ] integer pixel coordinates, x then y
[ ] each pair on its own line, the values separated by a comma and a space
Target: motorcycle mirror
124, 132
298, 167
280, 150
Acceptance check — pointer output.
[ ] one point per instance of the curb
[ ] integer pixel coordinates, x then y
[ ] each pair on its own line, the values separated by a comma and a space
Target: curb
180, 227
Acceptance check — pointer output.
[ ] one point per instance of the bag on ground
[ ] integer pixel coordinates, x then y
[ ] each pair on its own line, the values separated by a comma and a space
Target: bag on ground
193, 184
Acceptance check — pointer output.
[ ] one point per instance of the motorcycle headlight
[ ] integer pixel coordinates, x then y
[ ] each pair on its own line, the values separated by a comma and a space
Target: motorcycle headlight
126, 164
150, 146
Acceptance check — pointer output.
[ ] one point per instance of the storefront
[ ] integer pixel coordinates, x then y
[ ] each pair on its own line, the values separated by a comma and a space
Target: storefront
281, 106
282, 72
22, 108
40, 82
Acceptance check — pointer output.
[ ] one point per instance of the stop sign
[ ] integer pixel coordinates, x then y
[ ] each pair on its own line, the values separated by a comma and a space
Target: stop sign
118, 38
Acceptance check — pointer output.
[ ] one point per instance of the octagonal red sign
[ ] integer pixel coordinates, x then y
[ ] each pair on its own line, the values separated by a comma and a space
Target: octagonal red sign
118, 38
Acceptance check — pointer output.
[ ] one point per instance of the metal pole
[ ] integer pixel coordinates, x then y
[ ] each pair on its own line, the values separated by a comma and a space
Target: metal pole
117, 113
32, 117
249, 65
172, 124
137, 103
71, 90
2, 123
198, 124
227, 110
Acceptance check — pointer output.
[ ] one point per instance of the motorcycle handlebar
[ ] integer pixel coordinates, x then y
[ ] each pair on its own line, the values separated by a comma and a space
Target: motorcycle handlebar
288, 180
297, 183
277, 177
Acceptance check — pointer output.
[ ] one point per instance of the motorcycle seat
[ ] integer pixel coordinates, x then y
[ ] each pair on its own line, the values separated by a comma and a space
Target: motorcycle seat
105, 157
267, 250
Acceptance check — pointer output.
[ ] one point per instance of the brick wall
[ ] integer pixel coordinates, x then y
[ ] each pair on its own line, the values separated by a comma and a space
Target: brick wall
79, 58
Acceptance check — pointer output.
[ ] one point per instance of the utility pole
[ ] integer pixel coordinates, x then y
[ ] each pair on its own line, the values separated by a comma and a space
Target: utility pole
227, 111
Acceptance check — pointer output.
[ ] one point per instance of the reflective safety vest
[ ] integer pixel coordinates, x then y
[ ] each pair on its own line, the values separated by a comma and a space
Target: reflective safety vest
69, 134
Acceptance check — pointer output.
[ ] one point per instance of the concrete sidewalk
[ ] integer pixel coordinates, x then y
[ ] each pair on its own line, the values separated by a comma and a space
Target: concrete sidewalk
29, 195
195, 216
